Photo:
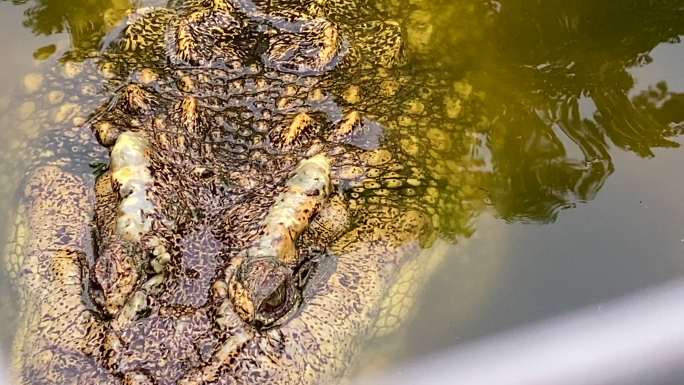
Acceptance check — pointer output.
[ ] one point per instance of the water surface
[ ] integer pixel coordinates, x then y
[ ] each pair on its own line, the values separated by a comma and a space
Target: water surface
581, 161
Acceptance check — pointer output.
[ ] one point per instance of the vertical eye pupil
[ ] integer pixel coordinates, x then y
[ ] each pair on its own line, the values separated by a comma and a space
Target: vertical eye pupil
276, 299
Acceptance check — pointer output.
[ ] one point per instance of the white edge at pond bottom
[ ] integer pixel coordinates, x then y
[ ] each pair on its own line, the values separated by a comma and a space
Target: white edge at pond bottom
637, 340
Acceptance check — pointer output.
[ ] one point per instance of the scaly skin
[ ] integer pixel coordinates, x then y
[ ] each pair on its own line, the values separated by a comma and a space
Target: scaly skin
60, 335
277, 177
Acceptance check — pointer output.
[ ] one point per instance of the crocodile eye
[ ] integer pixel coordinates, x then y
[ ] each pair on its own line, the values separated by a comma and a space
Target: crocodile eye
274, 303
274, 309
265, 293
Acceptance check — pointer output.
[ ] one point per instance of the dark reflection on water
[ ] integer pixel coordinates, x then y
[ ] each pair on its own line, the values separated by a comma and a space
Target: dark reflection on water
86, 22
566, 56
571, 124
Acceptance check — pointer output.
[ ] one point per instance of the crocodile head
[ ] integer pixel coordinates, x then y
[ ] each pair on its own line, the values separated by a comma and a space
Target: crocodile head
273, 181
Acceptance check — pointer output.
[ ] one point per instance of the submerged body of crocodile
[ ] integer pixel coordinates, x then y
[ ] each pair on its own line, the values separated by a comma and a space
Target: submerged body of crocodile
277, 178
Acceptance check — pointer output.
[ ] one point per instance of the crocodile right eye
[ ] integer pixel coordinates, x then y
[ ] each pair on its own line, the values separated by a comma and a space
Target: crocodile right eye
264, 293
274, 305
276, 308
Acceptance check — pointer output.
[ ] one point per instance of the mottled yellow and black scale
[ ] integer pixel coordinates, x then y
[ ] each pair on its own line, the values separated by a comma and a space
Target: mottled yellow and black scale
230, 96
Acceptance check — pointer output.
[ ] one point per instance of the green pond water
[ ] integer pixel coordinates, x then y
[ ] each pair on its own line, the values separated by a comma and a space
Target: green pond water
579, 163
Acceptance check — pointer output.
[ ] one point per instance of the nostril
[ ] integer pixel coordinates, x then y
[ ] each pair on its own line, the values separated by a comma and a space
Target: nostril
258, 324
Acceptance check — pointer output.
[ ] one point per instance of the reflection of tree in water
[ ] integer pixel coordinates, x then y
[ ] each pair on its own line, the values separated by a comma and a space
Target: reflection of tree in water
86, 21
573, 58
666, 107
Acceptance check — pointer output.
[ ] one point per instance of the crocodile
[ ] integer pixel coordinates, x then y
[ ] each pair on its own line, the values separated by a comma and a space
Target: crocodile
280, 182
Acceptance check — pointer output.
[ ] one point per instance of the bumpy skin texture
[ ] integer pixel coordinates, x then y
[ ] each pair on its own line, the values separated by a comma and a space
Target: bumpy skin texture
221, 104
55, 322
